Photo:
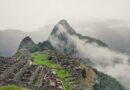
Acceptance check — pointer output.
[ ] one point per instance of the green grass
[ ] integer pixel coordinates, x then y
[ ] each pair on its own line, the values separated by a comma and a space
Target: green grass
67, 86
11, 87
62, 73
42, 59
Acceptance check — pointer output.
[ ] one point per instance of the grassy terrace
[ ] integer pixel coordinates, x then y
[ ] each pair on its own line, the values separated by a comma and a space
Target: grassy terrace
42, 59
11, 87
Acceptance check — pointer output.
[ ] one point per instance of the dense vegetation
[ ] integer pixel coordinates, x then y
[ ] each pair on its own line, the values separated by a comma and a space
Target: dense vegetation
107, 83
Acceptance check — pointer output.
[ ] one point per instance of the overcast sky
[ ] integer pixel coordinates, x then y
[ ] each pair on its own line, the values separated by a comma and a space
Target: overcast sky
29, 15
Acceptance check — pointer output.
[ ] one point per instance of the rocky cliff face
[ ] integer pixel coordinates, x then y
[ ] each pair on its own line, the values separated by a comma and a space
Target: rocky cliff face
28, 44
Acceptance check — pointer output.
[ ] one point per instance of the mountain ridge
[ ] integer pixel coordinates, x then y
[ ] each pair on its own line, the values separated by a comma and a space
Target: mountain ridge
63, 35
71, 31
112, 34
64, 29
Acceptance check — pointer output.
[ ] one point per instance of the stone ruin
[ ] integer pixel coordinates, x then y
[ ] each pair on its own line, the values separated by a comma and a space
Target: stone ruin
18, 70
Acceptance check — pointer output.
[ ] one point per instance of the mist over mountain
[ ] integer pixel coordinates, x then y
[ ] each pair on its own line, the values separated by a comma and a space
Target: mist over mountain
61, 35
114, 33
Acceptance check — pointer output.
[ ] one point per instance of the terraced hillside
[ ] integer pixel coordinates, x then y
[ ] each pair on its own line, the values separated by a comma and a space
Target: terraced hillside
62, 73
49, 70
21, 72
42, 71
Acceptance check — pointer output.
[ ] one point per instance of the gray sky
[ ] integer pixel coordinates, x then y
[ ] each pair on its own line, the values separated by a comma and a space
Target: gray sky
28, 15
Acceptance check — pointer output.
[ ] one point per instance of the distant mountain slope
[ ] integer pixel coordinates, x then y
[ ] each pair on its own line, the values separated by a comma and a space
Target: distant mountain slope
113, 33
10, 39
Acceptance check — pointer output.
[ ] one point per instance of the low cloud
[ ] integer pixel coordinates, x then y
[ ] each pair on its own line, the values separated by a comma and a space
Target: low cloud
105, 60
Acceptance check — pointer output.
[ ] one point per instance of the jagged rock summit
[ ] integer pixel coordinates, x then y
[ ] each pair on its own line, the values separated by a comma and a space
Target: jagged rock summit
27, 43
63, 38
65, 25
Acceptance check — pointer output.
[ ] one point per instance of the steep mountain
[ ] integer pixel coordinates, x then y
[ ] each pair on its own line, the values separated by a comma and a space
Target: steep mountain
63, 38
63, 24
28, 44
66, 40
92, 51
112, 33
11, 38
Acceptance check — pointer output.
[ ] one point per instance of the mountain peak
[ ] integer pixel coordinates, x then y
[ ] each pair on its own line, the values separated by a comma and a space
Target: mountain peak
65, 25
27, 43
63, 22
27, 38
